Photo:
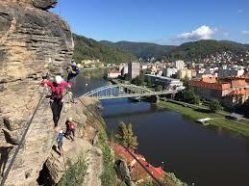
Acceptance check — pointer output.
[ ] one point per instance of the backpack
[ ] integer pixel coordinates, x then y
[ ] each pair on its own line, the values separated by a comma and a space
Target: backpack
71, 125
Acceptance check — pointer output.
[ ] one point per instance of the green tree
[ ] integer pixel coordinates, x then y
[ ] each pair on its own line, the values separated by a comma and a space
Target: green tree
244, 108
159, 88
190, 97
86, 48
149, 84
186, 82
139, 80
215, 106
125, 136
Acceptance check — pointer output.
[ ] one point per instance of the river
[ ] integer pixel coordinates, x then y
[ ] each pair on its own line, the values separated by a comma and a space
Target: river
196, 154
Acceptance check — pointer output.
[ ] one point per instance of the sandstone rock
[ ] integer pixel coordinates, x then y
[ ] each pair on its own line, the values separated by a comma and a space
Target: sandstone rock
35, 150
44, 4
11, 137
124, 172
32, 40
32, 43
1, 122
12, 123
41, 4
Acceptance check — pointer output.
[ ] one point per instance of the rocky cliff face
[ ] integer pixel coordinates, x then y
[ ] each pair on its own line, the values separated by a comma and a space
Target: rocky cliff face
33, 42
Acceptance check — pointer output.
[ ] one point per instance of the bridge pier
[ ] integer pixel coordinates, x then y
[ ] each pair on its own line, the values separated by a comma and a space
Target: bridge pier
154, 99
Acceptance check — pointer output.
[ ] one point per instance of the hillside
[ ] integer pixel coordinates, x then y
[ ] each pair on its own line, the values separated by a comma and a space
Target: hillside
141, 49
125, 51
86, 48
208, 48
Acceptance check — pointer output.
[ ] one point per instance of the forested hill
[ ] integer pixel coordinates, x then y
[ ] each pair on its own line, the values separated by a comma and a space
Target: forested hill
86, 48
193, 51
124, 51
141, 49
206, 48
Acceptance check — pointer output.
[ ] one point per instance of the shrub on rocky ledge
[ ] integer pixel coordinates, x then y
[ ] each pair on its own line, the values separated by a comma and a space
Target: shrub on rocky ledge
75, 174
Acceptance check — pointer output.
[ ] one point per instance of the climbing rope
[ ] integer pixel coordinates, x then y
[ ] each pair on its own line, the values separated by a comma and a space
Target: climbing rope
28, 124
152, 176
6, 173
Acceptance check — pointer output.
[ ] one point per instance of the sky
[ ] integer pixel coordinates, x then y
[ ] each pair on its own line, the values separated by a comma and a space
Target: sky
158, 21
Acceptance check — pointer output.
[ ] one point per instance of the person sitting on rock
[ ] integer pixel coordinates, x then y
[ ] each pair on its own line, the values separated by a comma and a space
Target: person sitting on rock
71, 125
57, 88
73, 70
60, 140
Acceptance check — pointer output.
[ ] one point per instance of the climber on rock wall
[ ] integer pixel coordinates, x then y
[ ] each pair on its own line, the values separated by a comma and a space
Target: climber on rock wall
57, 88
60, 140
71, 126
73, 70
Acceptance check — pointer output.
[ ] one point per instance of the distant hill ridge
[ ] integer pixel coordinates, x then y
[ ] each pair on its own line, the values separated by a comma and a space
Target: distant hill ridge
141, 49
186, 51
204, 48
125, 51
86, 48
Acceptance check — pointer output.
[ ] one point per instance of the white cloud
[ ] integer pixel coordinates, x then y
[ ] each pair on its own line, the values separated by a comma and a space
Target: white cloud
202, 32
245, 32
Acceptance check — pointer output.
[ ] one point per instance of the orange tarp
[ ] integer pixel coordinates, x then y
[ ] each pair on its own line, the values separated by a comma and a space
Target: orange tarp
137, 171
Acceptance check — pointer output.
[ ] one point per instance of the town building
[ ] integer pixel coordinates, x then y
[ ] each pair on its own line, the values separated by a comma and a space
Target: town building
113, 74
169, 71
134, 69
144, 66
179, 64
166, 82
230, 91
232, 71
184, 73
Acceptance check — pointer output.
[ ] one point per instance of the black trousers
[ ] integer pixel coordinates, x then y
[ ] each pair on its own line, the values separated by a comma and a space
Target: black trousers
56, 107
70, 76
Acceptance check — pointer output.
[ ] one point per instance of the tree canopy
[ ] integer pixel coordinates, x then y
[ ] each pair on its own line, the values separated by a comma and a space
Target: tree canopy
86, 48
126, 137
215, 106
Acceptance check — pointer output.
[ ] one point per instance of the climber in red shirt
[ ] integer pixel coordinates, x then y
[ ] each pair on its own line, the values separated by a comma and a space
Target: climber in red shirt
57, 88
71, 126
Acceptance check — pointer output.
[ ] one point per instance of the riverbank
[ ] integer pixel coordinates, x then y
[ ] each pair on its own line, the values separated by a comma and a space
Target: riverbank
217, 120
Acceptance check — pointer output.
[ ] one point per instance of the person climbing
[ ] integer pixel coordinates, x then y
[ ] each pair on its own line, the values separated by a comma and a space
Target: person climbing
60, 139
71, 126
73, 70
57, 88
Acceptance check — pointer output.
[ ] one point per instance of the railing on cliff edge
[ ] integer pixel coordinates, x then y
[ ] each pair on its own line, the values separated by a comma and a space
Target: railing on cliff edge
18, 147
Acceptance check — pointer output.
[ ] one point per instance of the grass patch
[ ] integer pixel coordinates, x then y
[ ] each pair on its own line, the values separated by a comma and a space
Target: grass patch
217, 119
172, 180
75, 174
108, 176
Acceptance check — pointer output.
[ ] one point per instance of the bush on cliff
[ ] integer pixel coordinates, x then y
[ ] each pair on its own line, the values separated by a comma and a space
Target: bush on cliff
75, 174
108, 176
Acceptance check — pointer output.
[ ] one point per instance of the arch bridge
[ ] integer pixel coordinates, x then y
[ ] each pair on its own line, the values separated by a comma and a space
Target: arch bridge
127, 91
